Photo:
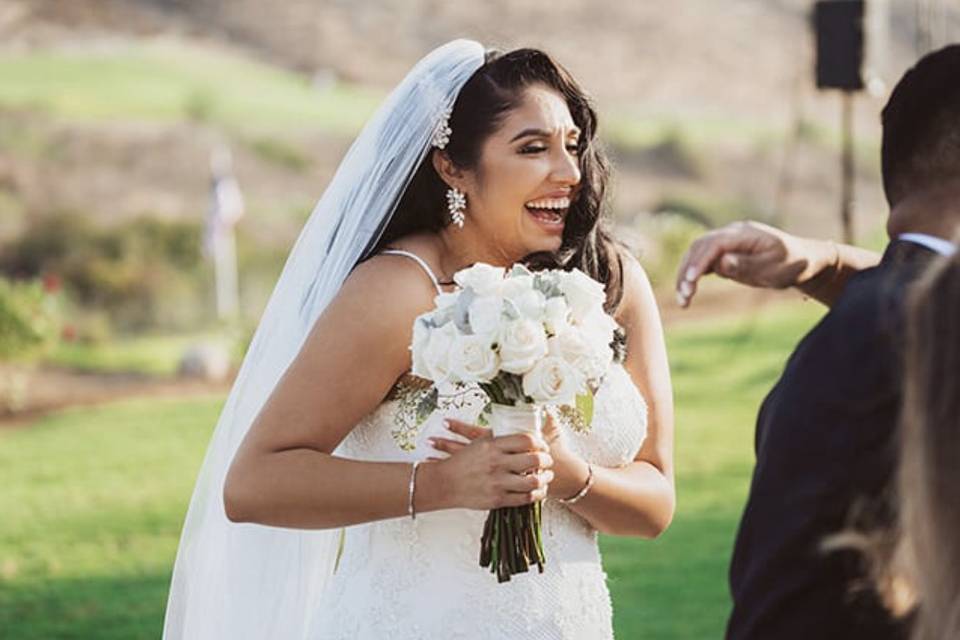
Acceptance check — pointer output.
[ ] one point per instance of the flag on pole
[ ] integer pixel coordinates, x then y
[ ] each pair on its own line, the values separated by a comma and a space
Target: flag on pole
225, 210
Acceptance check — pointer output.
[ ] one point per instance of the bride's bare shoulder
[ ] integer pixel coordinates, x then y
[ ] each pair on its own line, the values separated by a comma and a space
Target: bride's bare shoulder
391, 282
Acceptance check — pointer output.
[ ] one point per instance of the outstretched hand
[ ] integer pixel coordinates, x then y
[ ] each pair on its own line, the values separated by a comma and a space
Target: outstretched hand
751, 253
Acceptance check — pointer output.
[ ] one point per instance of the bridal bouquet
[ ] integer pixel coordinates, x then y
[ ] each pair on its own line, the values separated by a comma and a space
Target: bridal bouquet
529, 340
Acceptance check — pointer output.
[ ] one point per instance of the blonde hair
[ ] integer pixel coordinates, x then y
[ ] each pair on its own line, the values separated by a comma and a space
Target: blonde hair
914, 564
927, 554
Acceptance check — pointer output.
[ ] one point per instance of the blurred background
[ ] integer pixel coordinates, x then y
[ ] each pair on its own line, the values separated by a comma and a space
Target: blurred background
158, 158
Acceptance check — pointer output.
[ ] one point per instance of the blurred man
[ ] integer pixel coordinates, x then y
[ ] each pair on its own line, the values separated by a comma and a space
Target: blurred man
825, 441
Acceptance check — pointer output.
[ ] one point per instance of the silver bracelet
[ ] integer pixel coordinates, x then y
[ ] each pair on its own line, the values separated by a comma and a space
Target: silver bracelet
586, 488
413, 486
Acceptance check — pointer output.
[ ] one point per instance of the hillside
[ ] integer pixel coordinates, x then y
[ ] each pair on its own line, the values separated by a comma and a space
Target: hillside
110, 108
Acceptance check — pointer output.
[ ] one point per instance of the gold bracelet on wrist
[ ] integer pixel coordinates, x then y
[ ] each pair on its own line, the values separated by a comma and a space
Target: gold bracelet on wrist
586, 488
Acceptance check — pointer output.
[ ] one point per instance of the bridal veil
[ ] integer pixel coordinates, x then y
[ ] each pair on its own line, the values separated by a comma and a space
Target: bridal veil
236, 581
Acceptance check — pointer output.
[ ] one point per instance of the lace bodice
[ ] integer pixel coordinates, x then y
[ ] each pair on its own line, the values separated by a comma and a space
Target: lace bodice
407, 579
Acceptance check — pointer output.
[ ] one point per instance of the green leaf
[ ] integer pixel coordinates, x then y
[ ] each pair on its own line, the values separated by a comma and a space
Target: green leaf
484, 418
585, 407
519, 270
427, 405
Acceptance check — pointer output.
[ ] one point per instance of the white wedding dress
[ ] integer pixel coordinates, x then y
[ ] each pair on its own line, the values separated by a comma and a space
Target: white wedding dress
403, 579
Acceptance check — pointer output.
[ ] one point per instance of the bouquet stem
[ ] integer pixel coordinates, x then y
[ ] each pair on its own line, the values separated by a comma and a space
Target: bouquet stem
512, 538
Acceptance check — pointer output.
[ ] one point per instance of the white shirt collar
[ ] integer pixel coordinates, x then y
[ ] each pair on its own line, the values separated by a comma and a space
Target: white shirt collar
941, 246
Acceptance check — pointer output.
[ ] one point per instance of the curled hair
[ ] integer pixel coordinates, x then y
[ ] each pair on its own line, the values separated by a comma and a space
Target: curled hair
482, 105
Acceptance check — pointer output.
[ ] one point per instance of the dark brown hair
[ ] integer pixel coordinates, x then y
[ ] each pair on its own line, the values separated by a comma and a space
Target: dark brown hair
480, 108
921, 126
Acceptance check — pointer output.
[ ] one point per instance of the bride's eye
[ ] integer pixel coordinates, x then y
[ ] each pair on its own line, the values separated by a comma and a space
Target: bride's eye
533, 148
574, 149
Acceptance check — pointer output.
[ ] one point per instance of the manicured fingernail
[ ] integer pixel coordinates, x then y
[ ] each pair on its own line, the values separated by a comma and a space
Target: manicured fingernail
686, 289
447, 423
690, 275
681, 299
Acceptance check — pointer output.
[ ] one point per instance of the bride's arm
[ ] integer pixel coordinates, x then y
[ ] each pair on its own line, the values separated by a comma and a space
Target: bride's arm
639, 498
284, 474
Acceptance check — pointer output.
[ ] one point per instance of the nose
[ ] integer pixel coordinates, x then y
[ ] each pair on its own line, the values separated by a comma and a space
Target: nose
566, 168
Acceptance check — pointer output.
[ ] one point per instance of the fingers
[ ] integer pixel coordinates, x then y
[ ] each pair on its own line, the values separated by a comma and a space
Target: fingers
532, 483
550, 430
723, 251
524, 462
699, 261
446, 445
520, 443
467, 430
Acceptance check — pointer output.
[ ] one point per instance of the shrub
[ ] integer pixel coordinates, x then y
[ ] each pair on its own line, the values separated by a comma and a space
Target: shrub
29, 318
146, 273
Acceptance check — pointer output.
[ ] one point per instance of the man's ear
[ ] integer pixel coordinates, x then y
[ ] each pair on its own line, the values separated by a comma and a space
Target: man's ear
446, 169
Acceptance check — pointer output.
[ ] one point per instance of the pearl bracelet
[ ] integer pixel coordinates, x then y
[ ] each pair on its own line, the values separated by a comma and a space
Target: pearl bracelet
411, 511
586, 488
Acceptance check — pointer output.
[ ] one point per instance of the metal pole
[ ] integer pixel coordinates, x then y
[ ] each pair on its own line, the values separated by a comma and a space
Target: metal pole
847, 169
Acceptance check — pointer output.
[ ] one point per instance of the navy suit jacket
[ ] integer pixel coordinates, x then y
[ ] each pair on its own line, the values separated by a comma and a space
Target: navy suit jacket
825, 442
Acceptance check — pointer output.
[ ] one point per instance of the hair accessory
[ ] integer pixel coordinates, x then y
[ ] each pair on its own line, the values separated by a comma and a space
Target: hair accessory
441, 136
456, 203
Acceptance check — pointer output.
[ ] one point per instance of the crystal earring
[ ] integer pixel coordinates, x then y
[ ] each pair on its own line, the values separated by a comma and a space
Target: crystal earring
456, 203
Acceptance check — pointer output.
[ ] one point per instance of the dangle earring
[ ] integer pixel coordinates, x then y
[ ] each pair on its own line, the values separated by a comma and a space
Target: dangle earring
456, 204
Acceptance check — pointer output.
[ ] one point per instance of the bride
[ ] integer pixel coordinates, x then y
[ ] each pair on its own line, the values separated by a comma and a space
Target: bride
309, 519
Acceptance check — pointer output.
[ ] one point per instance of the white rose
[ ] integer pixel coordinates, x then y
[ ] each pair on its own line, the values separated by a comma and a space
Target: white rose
474, 359
552, 381
486, 314
436, 353
522, 344
528, 301
597, 329
556, 315
483, 278
572, 347
582, 292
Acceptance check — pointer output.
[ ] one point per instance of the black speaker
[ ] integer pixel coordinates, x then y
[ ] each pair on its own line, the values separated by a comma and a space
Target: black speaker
839, 28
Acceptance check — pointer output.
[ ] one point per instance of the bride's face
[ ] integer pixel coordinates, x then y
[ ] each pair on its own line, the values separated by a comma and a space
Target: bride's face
528, 173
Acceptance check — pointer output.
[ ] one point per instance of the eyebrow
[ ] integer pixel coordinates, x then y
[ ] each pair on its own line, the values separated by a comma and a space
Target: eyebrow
540, 133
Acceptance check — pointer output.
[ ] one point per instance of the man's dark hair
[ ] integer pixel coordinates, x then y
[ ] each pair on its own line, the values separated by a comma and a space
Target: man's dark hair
921, 126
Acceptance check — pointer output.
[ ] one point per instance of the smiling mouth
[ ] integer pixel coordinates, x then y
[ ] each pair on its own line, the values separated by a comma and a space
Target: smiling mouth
551, 211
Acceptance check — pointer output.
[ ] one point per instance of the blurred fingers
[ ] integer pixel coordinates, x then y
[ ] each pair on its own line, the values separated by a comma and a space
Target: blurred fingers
467, 430
525, 462
520, 443
446, 445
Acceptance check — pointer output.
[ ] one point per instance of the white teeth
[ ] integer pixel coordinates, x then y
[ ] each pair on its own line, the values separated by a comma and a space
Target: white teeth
550, 203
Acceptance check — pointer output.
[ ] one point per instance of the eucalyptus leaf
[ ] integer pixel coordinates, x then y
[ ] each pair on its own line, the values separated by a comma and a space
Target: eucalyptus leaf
427, 405
520, 270
461, 315
511, 310
549, 286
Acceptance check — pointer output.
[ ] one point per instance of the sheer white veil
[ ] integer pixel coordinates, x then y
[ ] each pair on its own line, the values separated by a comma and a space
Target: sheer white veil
237, 581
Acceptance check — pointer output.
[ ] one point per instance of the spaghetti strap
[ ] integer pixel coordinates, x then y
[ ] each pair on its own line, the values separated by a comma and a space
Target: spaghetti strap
420, 261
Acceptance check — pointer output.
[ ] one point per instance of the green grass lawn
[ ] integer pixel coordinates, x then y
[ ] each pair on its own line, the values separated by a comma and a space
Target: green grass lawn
155, 355
163, 82
93, 499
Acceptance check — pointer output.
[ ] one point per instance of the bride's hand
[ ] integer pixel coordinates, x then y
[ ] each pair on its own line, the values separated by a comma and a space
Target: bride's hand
488, 473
